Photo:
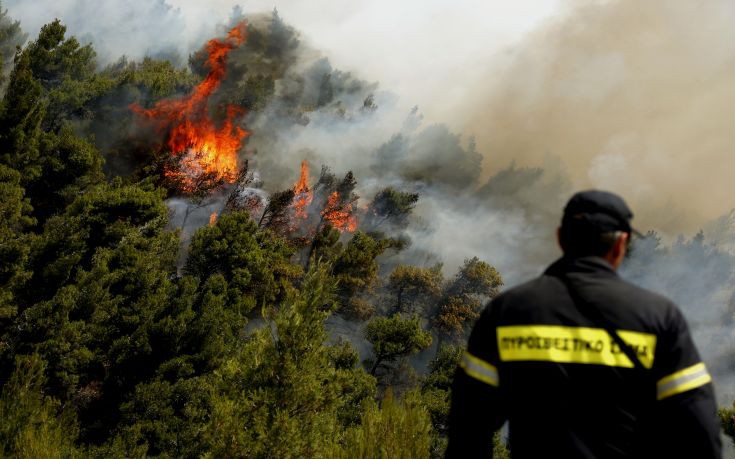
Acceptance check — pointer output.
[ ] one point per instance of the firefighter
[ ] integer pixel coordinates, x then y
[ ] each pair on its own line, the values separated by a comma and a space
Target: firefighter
581, 363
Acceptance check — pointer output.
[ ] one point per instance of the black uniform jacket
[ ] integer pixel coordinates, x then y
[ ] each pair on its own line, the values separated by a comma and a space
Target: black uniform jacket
567, 390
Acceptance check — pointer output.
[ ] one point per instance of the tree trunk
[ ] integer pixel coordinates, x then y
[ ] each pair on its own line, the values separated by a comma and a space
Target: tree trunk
186, 217
378, 361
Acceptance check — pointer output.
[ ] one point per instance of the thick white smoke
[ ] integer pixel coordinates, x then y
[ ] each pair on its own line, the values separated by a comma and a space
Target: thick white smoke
634, 97
132, 28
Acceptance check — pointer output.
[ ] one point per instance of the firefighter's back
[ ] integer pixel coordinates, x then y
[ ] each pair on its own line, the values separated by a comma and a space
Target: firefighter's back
568, 387
582, 363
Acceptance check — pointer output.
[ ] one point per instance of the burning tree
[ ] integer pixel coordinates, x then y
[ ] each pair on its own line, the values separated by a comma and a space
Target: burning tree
203, 154
341, 199
302, 193
335, 201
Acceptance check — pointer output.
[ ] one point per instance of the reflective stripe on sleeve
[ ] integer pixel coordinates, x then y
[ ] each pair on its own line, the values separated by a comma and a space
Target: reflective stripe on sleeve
479, 369
683, 380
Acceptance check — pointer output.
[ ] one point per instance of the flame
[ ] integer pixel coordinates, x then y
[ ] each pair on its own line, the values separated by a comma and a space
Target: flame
339, 216
302, 194
203, 148
213, 219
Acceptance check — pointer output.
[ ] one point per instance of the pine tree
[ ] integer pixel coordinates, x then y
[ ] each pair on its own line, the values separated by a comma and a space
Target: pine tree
284, 388
255, 263
395, 337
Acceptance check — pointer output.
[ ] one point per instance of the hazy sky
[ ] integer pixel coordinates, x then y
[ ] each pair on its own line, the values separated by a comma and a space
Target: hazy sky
416, 48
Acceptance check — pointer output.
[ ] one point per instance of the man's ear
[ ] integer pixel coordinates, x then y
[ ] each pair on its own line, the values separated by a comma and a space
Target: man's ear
620, 248
558, 238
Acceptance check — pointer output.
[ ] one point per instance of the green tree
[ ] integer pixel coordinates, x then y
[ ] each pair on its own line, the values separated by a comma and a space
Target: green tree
66, 72
152, 79
436, 393
52, 81
11, 36
254, 262
14, 242
395, 337
391, 206
129, 344
191, 338
102, 275
69, 165
356, 386
413, 286
434, 156
276, 213
325, 245
281, 37
33, 425
21, 114
101, 334
442, 368
474, 283
356, 267
102, 217
396, 429
727, 421
476, 278
284, 388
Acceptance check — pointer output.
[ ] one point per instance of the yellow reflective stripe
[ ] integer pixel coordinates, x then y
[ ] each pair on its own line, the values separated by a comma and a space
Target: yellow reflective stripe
683, 380
562, 344
479, 369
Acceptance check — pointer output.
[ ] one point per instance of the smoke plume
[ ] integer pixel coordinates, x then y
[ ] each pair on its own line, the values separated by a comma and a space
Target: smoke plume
633, 96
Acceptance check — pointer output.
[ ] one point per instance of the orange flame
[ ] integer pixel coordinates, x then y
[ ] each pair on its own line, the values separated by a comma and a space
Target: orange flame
213, 219
193, 136
339, 216
302, 194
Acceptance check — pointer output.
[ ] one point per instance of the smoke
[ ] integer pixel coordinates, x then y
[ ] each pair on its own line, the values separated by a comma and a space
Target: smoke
131, 28
633, 96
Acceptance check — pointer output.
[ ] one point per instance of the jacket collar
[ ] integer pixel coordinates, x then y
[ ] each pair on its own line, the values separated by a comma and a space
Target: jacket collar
586, 265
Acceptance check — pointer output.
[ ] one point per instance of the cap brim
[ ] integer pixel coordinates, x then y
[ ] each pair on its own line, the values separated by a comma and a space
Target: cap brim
637, 233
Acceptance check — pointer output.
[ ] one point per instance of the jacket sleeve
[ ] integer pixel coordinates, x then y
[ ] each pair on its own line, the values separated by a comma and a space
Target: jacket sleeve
686, 418
476, 410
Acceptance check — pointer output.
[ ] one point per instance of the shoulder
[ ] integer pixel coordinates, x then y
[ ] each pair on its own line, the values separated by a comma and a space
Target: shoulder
541, 286
622, 300
646, 302
527, 299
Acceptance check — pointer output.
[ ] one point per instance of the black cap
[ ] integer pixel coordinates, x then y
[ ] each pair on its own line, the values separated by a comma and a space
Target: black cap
599, 212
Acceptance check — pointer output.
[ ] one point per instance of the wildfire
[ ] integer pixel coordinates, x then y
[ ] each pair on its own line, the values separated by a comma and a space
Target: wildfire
339, 216
302, 194
203, 149
213, 218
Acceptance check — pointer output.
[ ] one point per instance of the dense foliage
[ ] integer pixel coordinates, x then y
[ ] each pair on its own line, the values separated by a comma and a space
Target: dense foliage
122, 337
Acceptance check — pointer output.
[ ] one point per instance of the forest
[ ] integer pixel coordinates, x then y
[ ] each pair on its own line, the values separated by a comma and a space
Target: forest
169, 288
